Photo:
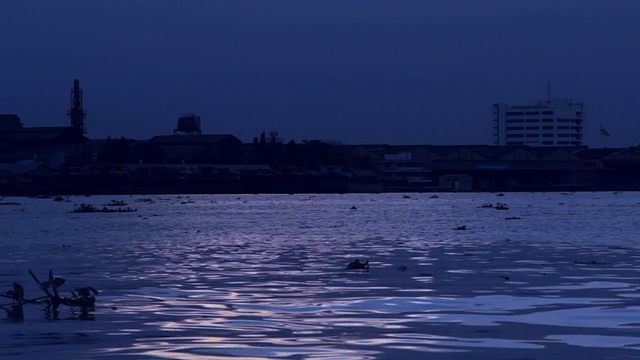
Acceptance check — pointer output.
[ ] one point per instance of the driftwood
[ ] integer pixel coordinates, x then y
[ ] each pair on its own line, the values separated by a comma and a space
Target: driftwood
82, 297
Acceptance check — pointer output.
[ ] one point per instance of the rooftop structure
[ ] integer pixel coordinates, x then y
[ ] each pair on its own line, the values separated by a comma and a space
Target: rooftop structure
188, 124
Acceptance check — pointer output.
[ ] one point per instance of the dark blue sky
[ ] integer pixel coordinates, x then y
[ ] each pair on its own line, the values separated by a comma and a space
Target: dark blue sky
368, 71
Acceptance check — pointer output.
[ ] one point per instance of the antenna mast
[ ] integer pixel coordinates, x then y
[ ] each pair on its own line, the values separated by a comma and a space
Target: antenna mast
548, 91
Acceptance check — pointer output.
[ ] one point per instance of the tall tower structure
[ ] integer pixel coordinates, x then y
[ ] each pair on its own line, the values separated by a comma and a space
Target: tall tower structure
76, 112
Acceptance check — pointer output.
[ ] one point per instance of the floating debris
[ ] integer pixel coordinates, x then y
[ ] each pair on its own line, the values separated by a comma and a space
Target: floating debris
116, 203
357, 265
463, 227
16, 294
497, 206
8, 202
592, 262
501, 206
88, 208
82, 297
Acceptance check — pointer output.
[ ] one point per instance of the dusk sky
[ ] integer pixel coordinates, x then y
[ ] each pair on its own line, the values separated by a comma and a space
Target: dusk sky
358, 72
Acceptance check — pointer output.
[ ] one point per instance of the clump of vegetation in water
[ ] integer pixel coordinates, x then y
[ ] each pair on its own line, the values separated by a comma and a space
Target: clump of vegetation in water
88, 208
83, 298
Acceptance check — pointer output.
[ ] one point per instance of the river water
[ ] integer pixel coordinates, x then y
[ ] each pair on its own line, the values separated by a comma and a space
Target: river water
264, 276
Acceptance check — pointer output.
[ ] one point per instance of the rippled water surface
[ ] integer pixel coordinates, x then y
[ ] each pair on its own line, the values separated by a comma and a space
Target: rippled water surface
263, 276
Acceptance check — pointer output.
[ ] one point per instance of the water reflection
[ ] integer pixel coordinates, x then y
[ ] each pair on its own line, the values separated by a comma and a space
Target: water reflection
263, 276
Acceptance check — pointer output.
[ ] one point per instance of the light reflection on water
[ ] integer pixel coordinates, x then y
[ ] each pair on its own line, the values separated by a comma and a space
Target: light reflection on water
263, 276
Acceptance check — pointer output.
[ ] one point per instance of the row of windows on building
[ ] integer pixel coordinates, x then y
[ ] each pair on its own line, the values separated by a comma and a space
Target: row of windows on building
577, 136
547, 143
518, 113
510, 128
514, 121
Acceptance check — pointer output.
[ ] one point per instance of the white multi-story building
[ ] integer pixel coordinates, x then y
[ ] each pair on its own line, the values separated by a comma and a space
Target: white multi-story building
555, 122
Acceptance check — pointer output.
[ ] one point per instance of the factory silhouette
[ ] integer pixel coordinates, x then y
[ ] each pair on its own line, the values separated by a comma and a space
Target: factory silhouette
63, 160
